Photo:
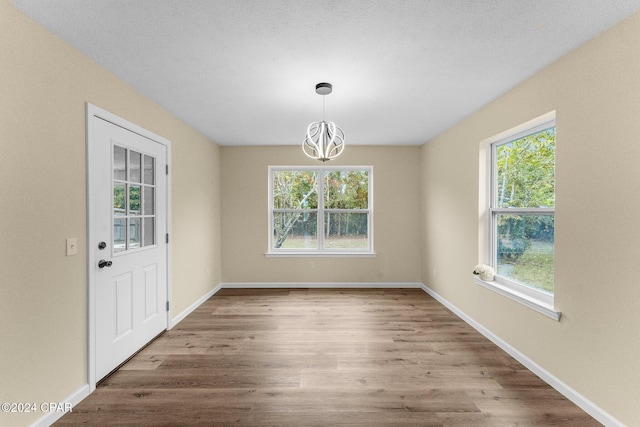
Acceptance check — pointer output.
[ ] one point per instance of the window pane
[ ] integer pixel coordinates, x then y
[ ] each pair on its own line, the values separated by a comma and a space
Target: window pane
119, 197
119, 163
134, 233
346, 190
134, 172
134, 200
149, 231
525, 249
149, 202
346, 230
119, 234
525, 171
149, 170
292, 230
295, 190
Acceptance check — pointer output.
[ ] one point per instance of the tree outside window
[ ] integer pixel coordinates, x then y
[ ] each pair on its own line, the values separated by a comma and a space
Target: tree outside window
522, 208
339, 220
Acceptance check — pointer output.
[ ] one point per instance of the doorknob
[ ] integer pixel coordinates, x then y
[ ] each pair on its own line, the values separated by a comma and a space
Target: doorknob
102, 263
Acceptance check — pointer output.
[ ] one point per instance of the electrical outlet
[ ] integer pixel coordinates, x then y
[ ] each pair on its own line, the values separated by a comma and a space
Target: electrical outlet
72, 246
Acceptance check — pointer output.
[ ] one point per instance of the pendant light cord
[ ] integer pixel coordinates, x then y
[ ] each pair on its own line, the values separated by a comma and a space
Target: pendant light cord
323, 108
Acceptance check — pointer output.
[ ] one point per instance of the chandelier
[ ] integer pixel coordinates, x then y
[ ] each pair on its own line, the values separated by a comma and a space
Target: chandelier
324, 140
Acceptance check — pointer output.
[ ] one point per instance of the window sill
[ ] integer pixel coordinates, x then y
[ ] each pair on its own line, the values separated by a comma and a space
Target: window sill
521, 298
308, 254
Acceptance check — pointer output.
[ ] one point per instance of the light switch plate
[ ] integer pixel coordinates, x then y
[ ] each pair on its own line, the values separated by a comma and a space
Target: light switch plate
72, 246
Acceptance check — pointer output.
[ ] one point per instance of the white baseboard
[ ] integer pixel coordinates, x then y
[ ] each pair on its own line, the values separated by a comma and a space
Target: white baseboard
319, 285
193, 306
585, 404
73, 399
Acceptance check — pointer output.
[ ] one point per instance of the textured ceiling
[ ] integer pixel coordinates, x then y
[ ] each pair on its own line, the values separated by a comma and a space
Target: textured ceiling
243, 72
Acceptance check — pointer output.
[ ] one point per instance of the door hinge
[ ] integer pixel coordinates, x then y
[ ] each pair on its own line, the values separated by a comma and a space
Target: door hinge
167, 169
167, 239
167, 305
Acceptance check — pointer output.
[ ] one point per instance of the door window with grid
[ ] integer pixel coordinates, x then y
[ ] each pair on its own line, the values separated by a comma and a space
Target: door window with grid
133, 200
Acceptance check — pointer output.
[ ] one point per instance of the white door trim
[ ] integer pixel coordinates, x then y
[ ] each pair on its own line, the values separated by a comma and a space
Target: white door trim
94, 112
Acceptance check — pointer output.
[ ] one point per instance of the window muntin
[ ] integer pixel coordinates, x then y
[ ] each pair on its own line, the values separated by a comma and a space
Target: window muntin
339, 221
522, 210
133, 200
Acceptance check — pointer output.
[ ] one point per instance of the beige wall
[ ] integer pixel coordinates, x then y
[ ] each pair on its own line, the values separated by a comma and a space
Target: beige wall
396, 173
44, 87
596, 94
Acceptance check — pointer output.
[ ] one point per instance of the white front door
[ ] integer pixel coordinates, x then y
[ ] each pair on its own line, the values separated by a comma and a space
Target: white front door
128, 229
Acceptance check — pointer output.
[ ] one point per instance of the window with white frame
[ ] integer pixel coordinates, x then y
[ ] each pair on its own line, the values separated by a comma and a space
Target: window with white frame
521, 209
323, 210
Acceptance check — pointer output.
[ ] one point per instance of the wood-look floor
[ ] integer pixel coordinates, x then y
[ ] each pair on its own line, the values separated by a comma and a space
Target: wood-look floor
324, 358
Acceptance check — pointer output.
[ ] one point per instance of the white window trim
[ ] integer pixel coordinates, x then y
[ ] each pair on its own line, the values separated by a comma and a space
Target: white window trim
522, 298
540, 301
368, 252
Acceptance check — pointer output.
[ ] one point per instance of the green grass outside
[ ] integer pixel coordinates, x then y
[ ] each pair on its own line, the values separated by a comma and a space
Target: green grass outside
534, 267
350, 242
